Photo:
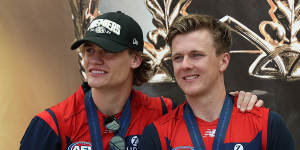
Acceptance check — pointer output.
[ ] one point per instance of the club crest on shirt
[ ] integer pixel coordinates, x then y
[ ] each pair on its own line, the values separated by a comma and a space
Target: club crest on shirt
80, 146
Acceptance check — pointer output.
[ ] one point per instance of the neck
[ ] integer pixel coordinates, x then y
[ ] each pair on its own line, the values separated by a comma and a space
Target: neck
111, 101
208, 106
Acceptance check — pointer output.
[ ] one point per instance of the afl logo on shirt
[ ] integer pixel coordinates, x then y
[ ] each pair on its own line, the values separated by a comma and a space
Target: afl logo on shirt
80, 146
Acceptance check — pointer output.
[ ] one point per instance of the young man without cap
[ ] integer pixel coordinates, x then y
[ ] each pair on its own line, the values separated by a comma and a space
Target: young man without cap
209, 119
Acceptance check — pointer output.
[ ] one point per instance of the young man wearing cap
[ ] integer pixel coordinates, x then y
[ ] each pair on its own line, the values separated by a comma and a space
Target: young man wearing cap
106, 113
209, 119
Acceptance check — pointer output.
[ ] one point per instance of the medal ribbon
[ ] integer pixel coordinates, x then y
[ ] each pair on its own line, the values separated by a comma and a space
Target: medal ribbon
222, 126
93, 120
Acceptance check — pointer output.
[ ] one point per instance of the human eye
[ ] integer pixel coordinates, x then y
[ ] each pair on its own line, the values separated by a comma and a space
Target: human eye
177, 58
197, 55
90, 50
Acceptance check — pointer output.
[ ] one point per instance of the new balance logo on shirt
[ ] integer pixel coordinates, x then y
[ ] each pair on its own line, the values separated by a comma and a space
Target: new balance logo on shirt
210, 133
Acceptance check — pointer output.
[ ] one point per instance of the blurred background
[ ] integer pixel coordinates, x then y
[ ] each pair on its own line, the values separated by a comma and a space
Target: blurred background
38, 69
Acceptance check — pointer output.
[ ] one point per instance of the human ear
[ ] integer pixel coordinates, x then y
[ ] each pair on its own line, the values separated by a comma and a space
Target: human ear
136, 61
224, 61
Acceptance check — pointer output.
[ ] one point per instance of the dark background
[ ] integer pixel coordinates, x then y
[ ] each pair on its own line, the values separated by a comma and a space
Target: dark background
279, 95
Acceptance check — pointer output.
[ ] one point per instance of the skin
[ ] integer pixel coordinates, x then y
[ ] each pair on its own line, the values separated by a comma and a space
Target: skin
110, 76
246, 101
199, 72
110, 83
197, 68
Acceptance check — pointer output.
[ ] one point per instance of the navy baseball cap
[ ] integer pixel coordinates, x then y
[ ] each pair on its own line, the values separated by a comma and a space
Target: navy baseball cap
114, 32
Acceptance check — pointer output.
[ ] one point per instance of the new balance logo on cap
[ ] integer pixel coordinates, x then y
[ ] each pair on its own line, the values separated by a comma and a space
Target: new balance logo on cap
135, 42
104, 26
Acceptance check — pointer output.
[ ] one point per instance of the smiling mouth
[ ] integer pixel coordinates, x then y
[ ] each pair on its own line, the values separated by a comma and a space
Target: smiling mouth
97, 72
191, 77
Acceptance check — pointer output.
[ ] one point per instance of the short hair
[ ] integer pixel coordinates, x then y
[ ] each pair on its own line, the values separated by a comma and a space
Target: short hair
189, 23
141, 74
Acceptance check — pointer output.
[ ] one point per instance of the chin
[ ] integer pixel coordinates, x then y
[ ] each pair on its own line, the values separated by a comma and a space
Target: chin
94, 84
191, 92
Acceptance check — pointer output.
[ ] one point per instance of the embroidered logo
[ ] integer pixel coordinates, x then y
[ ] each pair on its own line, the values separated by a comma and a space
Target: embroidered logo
104, 26
80, 146
238, 147
135, 42
209, 133
101, 30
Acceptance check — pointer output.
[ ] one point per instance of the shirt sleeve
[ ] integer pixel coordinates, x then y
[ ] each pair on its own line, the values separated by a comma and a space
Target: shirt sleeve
167, 105
150, 139
39, 135
279, 137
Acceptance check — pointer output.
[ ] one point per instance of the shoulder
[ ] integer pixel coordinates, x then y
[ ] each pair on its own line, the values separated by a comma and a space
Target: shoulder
279, 136
170, 119
276, 122
255, 113
275, 118
48, 127
40, 135
156, 135
68, 107
259, 113
151, 103
256, 119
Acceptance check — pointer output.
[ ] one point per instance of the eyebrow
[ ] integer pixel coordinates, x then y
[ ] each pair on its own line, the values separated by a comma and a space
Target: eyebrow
87, 44
174, 54
193, 51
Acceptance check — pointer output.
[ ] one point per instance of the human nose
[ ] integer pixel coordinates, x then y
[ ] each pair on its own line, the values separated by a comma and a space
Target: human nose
186, 63
97, 58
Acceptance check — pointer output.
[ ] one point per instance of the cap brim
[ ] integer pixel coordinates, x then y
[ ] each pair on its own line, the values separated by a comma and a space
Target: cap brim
106, 44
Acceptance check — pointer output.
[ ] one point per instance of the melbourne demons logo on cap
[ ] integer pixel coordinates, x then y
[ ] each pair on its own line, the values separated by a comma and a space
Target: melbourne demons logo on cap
80, 146
104, 26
